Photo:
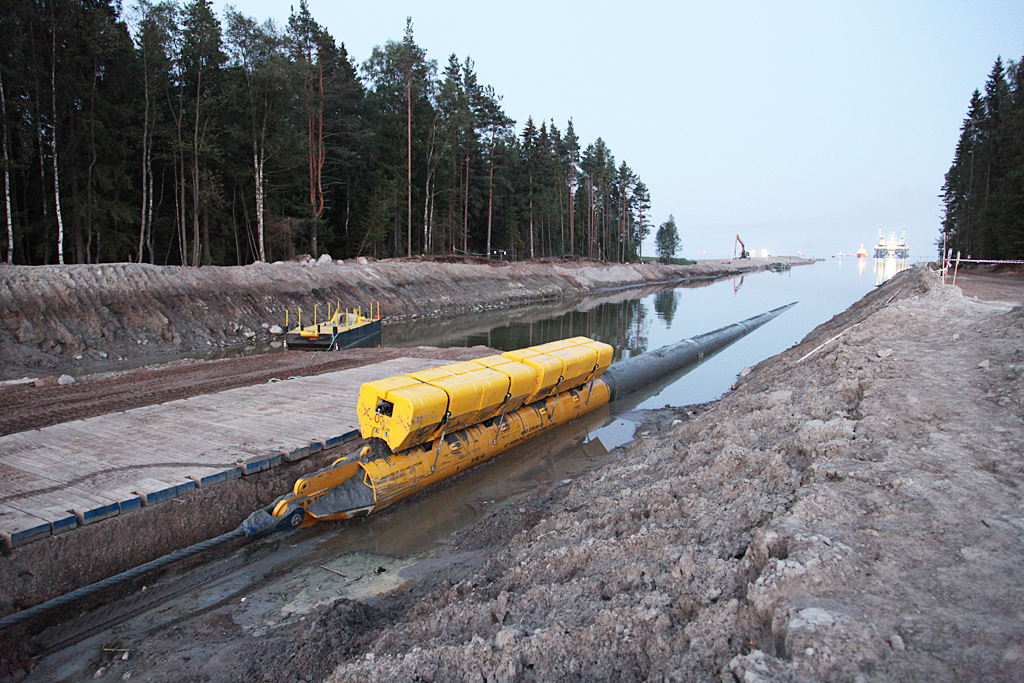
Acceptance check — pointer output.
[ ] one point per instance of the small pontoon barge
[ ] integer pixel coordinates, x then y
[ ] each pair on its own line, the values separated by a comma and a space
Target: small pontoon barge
342, 330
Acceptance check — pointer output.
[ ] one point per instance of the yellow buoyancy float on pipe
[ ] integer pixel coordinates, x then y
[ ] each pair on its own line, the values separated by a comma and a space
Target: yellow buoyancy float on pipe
429, 425
422, 406
360, 484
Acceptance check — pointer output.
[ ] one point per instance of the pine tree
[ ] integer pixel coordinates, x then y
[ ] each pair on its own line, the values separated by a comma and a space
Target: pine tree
402, 82
572, 147
202, 59
7, 172
667, 240
530, 164
257, 53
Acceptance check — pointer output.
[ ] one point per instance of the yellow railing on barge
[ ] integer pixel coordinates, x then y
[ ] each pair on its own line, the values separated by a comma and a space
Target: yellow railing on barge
337, 322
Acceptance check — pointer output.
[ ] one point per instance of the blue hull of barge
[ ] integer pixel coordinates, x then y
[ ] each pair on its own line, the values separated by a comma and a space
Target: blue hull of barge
334, 339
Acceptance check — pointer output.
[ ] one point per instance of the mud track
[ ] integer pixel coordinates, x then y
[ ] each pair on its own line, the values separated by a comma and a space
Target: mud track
28, 406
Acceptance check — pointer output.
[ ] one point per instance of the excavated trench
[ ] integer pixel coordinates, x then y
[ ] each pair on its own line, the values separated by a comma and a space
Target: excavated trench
571, 450
320, 635
53, 318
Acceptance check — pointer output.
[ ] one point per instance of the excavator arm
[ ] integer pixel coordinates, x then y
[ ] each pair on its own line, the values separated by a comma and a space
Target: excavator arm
742, 248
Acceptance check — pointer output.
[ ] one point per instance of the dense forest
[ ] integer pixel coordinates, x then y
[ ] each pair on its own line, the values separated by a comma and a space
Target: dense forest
984, 189
166, 134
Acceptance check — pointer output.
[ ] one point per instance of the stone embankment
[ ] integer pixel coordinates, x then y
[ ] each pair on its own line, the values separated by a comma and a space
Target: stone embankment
55, 317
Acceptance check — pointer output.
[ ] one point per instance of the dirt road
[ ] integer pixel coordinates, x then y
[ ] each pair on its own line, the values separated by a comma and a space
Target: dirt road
44, 403
991, 284
851, 512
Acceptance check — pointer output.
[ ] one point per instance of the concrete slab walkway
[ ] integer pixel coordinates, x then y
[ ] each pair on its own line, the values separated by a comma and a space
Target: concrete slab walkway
56, 479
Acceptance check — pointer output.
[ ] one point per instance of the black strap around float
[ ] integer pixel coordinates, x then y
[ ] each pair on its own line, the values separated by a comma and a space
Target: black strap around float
501, 420
591, 380
440, 442
558, 388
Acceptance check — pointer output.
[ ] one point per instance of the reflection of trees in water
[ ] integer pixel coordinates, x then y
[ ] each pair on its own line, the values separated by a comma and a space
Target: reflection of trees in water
623, 325
615, 317
665, 304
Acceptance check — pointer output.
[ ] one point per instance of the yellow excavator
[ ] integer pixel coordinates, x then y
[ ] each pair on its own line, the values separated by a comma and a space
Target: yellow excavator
742, 248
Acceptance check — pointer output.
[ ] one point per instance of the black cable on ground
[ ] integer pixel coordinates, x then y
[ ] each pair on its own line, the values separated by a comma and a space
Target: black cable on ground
92, 589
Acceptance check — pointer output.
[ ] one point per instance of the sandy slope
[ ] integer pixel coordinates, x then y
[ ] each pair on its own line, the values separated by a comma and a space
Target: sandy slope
851, 515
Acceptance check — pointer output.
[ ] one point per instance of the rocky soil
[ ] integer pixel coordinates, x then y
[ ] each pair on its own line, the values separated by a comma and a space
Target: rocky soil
852, 511
56, 317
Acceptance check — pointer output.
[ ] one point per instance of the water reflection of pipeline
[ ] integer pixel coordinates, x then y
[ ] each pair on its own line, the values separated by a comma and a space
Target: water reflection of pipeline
438, 331
410, 528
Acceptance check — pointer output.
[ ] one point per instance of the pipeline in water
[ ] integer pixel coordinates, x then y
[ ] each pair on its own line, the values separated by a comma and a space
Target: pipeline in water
481, 441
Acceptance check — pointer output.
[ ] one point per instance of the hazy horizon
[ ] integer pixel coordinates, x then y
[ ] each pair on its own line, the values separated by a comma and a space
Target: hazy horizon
801, 127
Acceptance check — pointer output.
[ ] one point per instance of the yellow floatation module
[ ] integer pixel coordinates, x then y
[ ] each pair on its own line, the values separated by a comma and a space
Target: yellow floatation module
422, 406
427, 426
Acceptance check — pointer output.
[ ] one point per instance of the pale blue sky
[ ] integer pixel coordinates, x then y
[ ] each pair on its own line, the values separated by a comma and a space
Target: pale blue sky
799, 125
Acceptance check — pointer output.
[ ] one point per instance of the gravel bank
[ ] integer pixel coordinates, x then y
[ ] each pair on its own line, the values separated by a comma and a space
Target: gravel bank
56, 317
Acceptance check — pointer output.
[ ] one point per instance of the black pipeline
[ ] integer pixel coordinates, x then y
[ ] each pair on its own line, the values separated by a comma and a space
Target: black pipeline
634, 373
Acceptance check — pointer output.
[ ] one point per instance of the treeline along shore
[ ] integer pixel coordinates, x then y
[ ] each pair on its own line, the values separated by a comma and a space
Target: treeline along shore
161, 132
984, 189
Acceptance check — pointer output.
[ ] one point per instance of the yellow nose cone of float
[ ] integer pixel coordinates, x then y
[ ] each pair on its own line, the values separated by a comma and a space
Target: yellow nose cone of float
402, 411
577, 365
604, 354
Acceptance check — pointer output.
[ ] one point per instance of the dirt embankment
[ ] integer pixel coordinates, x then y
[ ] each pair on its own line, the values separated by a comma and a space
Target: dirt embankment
852, 512
54, 317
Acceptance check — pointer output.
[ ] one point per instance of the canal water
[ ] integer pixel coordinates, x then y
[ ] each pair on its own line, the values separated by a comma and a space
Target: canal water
635, 321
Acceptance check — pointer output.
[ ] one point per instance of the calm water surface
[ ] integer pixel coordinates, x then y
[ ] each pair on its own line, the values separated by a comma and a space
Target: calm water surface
636, 321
